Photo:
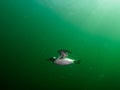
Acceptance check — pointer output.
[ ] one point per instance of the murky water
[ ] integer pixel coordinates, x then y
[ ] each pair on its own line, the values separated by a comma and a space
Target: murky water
33, 31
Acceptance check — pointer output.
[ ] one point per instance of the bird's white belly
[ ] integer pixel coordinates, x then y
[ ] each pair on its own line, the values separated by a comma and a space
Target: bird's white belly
65, 61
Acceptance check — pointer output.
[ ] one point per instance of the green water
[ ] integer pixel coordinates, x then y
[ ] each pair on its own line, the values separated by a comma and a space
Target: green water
31, 31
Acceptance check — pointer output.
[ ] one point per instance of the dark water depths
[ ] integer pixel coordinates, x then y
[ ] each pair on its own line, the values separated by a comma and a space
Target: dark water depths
31, 32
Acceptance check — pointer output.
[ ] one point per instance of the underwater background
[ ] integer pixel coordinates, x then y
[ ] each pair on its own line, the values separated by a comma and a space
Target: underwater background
32, 31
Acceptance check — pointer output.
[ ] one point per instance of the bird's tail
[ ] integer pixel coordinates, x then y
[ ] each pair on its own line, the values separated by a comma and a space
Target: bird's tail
77, 61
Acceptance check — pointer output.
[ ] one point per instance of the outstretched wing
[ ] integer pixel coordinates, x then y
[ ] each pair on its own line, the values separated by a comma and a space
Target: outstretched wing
63, 50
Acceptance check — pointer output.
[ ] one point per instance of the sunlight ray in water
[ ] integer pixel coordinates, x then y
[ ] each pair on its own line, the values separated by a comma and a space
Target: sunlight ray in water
95, 17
